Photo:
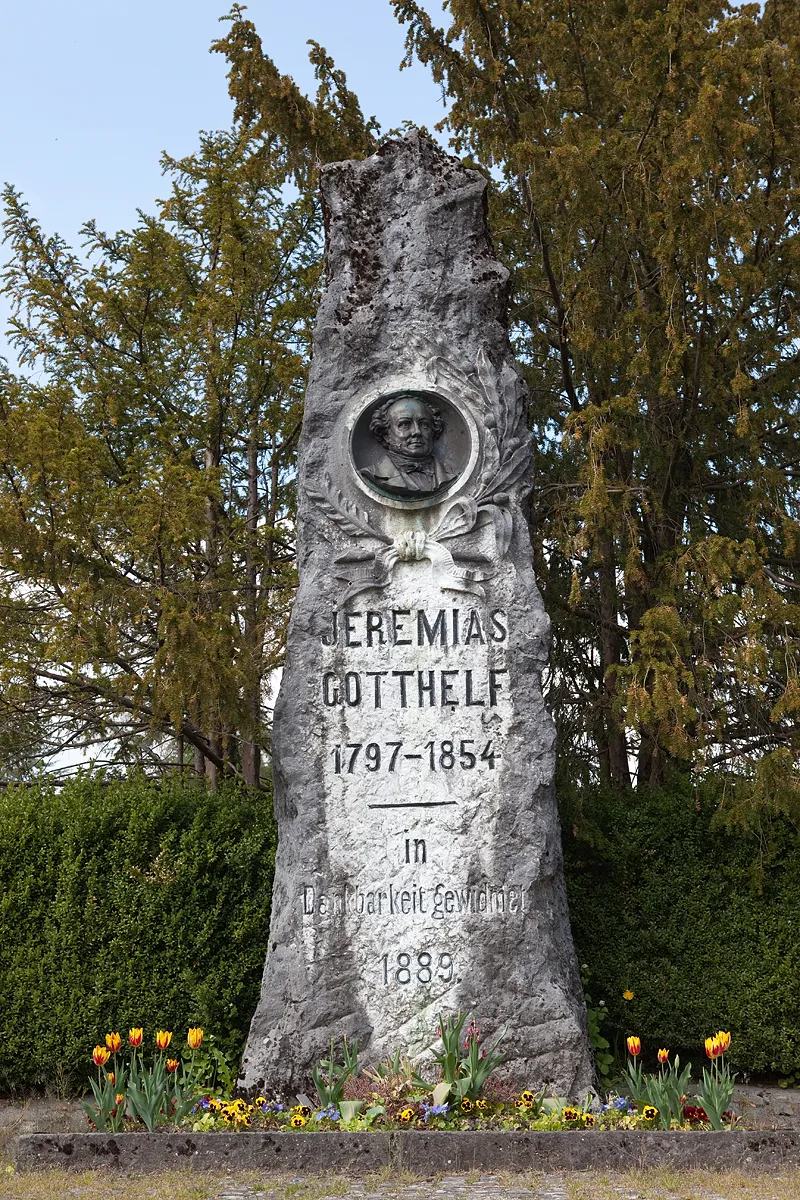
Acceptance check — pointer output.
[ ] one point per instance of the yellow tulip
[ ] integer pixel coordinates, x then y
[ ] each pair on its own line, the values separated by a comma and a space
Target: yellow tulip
100, 1056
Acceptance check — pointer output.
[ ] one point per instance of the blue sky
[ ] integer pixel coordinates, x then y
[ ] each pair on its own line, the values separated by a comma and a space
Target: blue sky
92, 91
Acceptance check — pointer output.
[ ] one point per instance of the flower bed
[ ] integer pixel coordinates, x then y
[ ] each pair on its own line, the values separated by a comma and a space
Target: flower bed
172, 1093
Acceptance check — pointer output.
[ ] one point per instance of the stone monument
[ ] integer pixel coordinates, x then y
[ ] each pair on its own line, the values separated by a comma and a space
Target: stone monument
419, 864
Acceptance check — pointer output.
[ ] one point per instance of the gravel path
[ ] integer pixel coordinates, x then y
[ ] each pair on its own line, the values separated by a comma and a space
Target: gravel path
489, 1187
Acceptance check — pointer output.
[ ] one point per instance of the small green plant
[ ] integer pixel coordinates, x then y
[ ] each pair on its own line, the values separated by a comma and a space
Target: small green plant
634, 1075
108, 1110
330, 1077
667, 1090
595, 1016
465, 1073
396, 1077
147, 1092
717, 1086
213, 1071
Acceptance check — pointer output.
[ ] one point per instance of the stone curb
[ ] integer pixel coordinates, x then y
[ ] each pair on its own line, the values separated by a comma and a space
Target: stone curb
418, 1153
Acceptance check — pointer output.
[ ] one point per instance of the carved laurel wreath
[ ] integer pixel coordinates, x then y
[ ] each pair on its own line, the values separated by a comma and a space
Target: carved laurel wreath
506, 458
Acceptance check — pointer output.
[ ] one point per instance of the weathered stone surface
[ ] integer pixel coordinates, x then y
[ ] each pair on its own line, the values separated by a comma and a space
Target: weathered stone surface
419, 864
419, 1153
349, 1153
597, 1150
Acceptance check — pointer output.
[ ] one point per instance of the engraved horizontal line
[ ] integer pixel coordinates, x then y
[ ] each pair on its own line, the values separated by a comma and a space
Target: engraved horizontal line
415, 804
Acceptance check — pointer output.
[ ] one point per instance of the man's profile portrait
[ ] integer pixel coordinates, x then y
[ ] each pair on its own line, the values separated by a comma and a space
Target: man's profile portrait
408, 426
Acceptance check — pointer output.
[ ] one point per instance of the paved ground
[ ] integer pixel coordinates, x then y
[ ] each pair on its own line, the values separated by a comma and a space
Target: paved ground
486, 1187
572, 1186
649, 1185
660, 1184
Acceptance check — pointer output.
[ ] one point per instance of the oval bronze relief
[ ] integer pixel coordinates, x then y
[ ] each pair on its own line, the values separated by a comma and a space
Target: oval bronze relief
410, 446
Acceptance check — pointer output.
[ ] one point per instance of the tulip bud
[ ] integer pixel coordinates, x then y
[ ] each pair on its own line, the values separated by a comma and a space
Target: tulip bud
195, 1038
634, 1046
114, 1042
100, 1056
163, 1039
663, 1056
135, 1037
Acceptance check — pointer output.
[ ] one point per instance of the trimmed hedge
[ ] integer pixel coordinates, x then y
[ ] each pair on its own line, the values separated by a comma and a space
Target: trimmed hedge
666, 902
133, 903
137, 903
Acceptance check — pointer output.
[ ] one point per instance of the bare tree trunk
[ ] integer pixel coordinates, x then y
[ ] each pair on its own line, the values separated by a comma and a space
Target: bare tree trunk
251, 750
212, 770
610, 656
212, 458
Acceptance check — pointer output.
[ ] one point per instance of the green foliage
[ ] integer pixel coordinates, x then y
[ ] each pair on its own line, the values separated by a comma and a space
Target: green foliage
716, 1091
643, 159
147, 482
271, 106
330, 1077
667, 901
106, 1112
595, 1016
465, 1072
216, 1072
396, 1076
666, 1089
124, 905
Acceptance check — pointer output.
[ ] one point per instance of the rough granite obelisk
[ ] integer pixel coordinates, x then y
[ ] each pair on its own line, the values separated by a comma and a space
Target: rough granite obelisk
419, 866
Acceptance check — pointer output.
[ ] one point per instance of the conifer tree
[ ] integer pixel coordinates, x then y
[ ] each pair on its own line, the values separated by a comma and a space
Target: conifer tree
147, 450
644, 158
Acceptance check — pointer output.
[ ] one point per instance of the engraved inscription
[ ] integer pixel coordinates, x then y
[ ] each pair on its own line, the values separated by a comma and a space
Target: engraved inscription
446, 755
408, 627
436, 901
420, 854
424, 967
413, 689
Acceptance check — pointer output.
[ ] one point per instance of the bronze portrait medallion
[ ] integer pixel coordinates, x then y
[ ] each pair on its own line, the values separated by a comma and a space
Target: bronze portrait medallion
410, 445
